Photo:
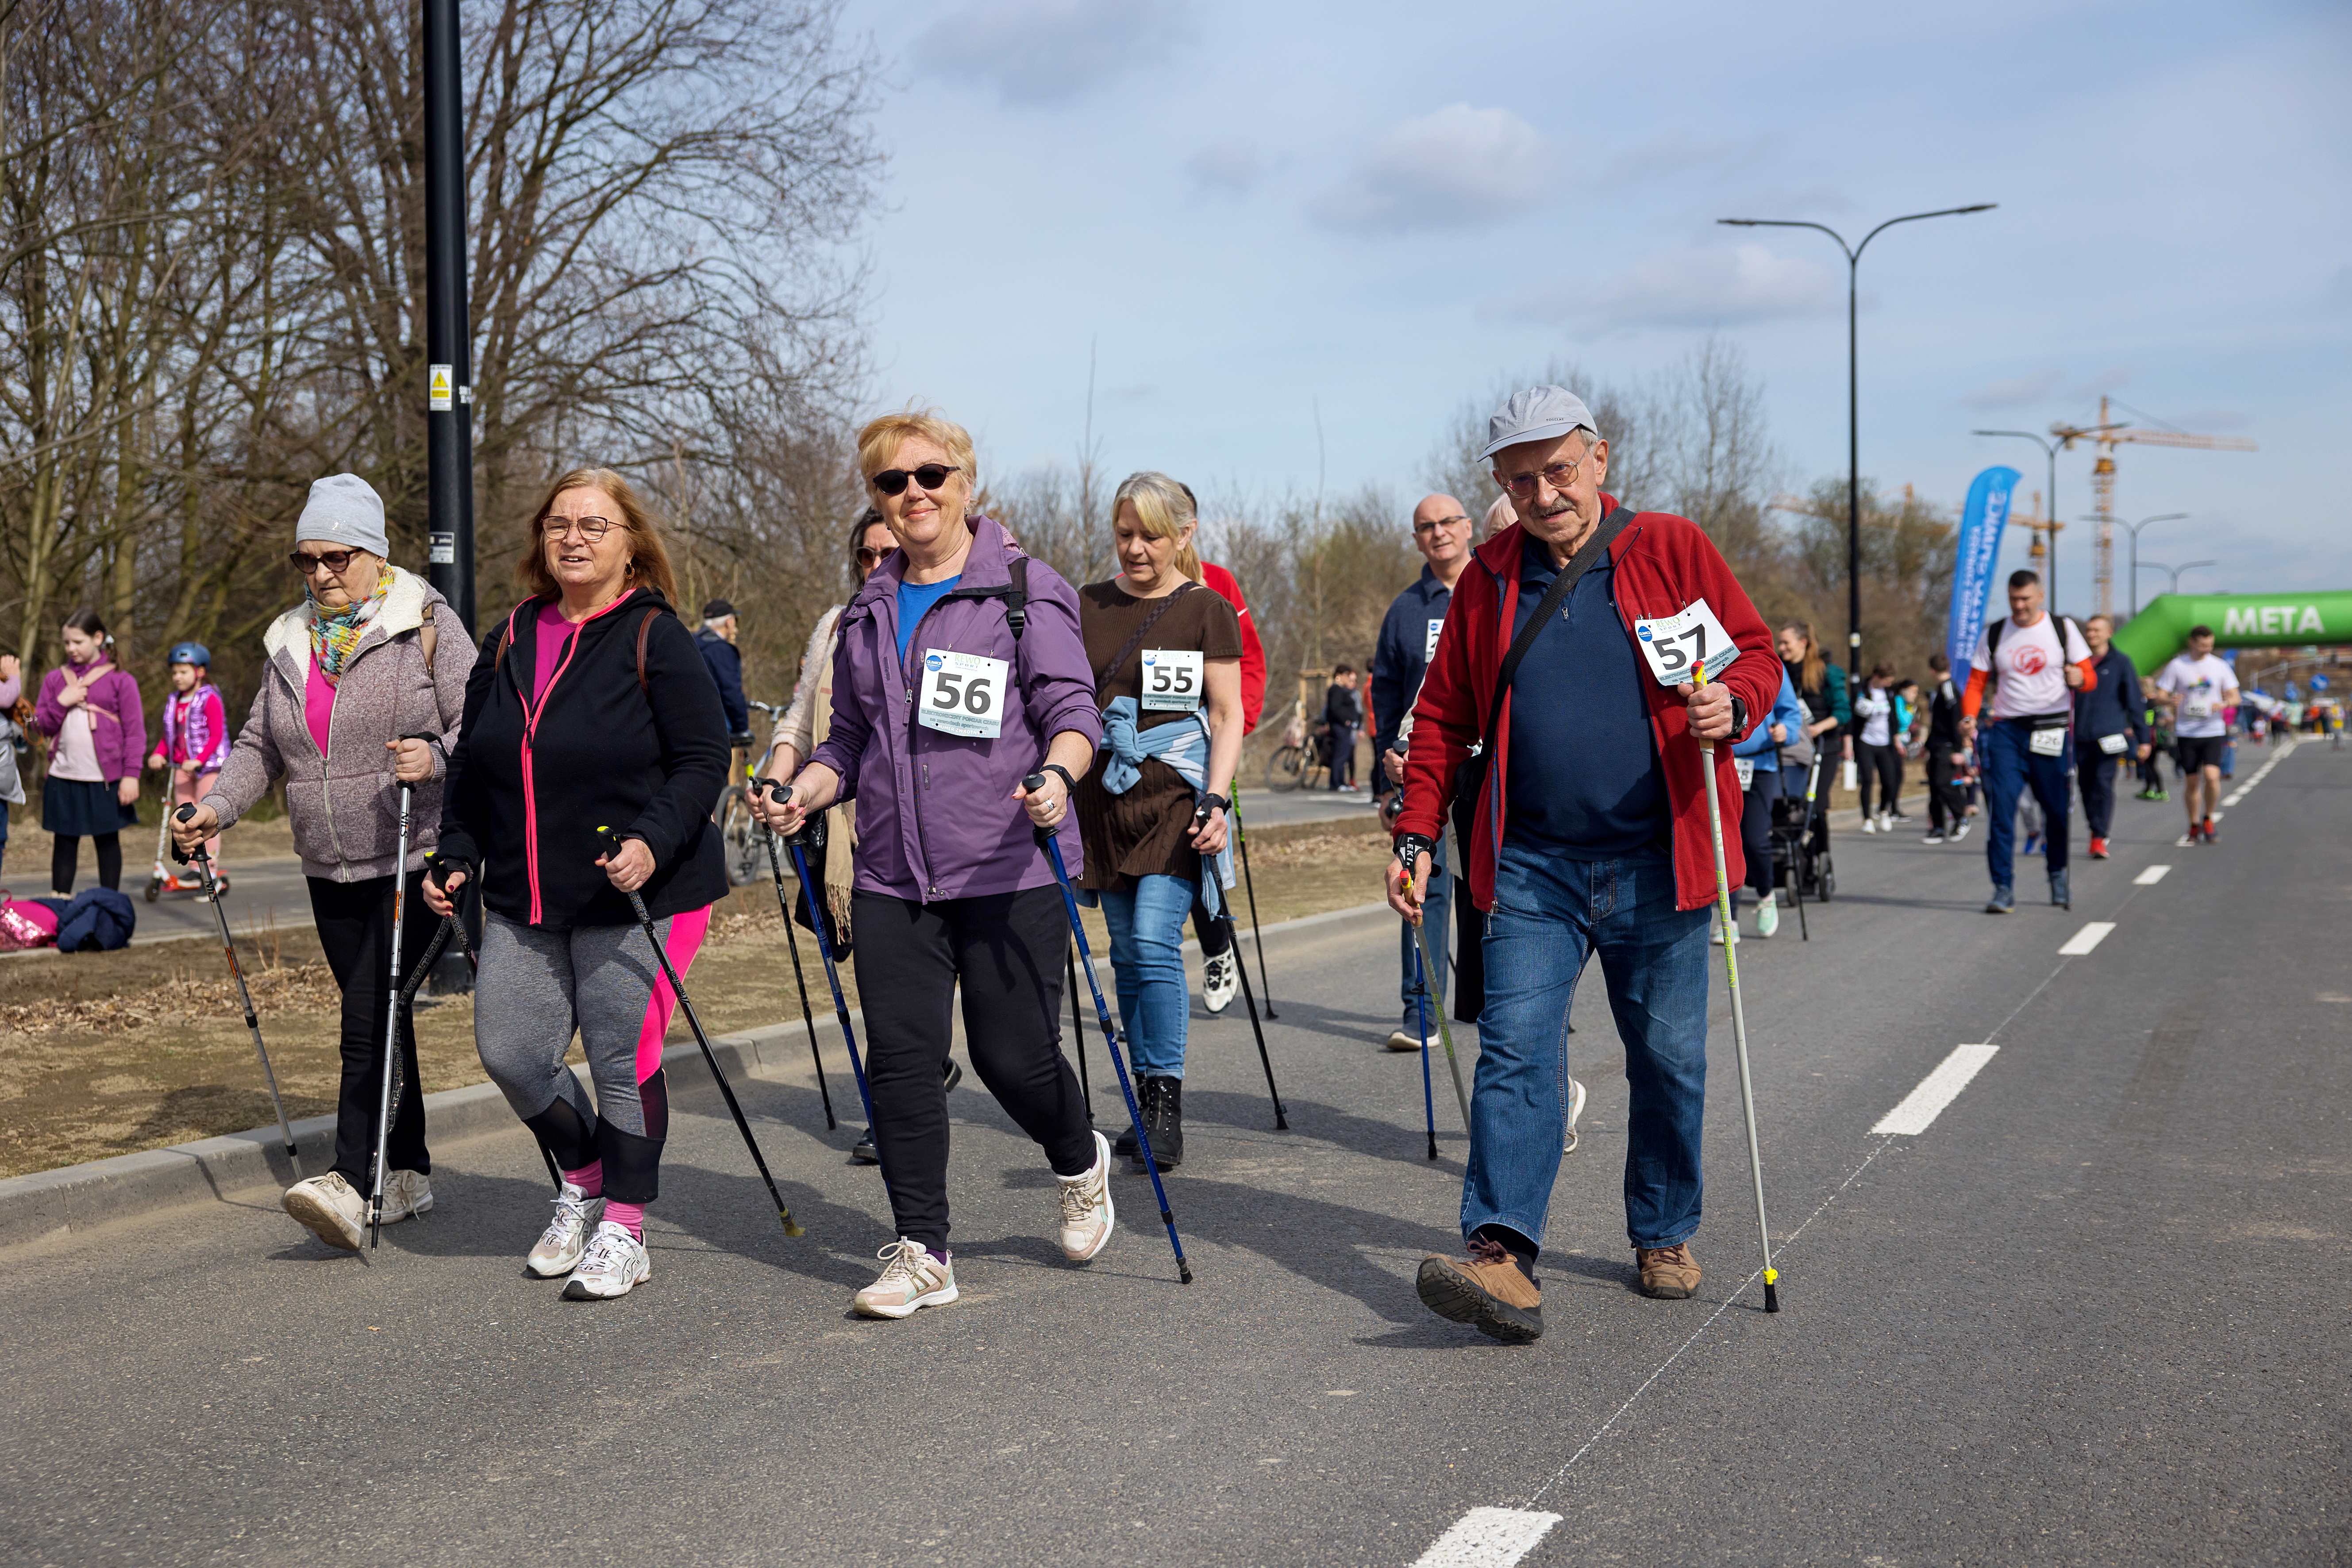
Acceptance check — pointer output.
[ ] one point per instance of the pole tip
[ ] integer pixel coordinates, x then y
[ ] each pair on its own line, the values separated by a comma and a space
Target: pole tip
1771, 1296
1184, 1272
792, 1225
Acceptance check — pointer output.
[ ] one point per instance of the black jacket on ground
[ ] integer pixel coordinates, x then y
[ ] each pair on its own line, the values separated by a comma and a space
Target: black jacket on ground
649, 761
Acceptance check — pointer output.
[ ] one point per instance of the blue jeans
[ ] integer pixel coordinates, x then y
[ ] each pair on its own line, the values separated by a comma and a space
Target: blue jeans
1437, 920
1146, 959
2011, 765
1550, 915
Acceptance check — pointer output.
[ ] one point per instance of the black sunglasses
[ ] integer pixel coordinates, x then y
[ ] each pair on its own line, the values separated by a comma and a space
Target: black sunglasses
332, 560
930, 476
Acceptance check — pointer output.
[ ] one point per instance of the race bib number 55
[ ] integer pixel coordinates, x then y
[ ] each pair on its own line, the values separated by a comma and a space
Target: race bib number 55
1678, 644
962, 694
1172, 678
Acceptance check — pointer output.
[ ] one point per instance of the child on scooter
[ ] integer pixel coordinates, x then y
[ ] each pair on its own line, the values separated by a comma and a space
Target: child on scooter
193, 743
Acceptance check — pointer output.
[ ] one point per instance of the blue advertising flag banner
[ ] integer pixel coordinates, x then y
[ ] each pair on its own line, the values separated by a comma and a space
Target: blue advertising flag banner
1982, 522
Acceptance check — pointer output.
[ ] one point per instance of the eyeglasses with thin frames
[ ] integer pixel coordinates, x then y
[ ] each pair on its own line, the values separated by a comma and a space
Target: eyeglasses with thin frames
592, 529
1557, 475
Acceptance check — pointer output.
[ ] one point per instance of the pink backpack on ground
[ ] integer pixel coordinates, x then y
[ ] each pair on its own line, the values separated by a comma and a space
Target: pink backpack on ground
25, 923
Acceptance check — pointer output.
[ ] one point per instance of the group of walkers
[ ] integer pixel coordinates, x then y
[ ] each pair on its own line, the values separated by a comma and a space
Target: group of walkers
969, 727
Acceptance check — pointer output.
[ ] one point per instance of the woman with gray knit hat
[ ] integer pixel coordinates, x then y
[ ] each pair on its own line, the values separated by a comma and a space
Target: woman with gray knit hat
370, 655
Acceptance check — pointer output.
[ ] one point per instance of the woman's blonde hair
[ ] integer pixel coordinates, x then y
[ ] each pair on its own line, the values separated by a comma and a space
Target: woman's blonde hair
1809, 672
1163, 509
648, 560
878, 444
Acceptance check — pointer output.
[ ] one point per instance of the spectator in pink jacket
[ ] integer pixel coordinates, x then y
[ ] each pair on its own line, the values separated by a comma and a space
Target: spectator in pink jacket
90, 709
194, 742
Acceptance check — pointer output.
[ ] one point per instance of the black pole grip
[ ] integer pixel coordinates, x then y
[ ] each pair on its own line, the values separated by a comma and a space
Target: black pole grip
182, 814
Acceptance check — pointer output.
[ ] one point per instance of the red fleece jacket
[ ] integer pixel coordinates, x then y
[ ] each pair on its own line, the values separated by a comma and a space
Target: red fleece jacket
1661, 562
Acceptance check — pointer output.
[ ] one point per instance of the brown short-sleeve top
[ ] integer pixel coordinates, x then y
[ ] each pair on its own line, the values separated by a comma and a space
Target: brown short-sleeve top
1146, 831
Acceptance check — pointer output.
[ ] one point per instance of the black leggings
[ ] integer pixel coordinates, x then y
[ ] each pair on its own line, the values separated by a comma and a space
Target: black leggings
1009, 949
1755, 830
354, 923
1885, 764
64, 860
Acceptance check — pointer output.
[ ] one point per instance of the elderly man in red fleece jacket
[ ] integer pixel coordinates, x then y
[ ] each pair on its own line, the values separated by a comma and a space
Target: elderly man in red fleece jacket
1586, 833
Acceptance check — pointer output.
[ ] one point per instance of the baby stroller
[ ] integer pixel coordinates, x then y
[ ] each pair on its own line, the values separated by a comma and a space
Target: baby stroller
1800, 846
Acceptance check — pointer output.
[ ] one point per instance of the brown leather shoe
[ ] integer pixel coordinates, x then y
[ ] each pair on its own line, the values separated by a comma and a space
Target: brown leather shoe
1668, 1273
1486, 1290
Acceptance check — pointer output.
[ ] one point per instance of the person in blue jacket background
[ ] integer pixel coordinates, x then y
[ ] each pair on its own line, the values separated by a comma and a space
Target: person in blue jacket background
1760, 756
2110, 723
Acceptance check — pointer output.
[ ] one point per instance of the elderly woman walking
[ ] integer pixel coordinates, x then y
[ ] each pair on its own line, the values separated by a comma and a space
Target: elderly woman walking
372, 654
89, 708
594, 752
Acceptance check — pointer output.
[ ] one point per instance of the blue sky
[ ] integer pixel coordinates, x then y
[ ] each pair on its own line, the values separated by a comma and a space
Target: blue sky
1261, 210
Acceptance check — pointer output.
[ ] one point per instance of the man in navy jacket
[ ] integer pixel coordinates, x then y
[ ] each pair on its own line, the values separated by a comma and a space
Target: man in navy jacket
2110, 721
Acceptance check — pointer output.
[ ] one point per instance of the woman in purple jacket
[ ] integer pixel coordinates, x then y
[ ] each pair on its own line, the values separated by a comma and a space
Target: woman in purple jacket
90, 709
940, 710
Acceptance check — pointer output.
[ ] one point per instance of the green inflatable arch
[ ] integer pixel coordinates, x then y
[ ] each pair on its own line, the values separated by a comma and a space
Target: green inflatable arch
2239, 620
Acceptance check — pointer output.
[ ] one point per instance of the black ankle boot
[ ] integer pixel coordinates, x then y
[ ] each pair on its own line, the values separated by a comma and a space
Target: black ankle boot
1163, 1118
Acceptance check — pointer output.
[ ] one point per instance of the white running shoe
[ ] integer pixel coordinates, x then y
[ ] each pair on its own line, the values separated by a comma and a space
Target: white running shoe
330, 1208
1767, 916
616, 1263
1220, 979
564, 1242
911, 1279
1959, 833
1087, 1216
1870, 825
406, 1194
1575, 1111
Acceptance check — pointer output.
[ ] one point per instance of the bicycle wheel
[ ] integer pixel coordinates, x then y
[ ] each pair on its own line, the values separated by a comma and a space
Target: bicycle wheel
1284, 768
739, 839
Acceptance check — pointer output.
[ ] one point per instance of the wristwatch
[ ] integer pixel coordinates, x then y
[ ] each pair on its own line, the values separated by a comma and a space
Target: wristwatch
1738, 717
1067, 782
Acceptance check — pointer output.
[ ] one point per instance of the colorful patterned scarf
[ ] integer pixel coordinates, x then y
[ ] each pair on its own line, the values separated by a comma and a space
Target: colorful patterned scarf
334, 634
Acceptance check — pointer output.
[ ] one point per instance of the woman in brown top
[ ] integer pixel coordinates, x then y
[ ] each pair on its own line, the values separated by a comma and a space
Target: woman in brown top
1167, 663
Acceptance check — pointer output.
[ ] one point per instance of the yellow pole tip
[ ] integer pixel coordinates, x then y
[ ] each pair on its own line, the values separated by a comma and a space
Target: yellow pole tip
1771, 1276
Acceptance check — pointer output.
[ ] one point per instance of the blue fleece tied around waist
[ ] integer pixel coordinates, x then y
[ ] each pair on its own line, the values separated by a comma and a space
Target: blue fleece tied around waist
1182, 746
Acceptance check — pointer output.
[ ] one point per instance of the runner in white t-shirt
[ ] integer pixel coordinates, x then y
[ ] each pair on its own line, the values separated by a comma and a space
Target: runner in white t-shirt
2034, 668
2197, 687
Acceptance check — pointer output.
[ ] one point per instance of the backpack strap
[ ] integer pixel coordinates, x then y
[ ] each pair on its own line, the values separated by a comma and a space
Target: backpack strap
1016, 594
644, 628
1562, 585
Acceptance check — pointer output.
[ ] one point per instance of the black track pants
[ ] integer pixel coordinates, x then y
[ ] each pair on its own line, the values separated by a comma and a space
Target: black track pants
355, 925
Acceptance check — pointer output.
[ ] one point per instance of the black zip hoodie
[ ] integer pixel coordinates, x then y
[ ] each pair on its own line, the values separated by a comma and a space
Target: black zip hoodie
599, 750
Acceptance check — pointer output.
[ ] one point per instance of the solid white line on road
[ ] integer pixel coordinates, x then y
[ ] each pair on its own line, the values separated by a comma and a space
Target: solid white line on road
2282, 754
1488, 1537
2151, 877
2089, 936
1937, 1089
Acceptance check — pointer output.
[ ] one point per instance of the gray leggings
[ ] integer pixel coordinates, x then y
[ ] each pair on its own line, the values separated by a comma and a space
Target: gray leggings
536, 988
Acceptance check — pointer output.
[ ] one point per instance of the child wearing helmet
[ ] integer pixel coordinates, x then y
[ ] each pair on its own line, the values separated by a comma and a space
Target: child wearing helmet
194, 740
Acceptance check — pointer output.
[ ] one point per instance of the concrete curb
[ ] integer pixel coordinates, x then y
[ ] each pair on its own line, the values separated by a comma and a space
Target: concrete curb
250, 1166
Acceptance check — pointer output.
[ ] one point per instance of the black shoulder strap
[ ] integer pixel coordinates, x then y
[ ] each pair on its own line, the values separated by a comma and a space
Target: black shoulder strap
1561, 586
1016, 594
644, 628
1102, 675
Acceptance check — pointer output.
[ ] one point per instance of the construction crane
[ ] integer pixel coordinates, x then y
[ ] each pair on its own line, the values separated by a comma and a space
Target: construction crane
2106, 436
2044, 527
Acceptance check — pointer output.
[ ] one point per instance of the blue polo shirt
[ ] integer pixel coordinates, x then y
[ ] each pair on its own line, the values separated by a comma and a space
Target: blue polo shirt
1584, 780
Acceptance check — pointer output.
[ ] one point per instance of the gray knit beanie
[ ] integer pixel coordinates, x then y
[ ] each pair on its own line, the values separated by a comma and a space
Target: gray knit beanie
344, 509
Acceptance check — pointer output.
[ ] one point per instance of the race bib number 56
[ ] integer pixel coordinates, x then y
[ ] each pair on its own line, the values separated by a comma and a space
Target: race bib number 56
962, 694
1677, 646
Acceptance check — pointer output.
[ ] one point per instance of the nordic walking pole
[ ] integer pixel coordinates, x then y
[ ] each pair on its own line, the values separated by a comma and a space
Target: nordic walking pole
1444, 1032
1078, 1035
1739, 1015
245, 993
686, 1005
1053, 848
1428, 1095
392, 1016
1249, 884
800, 976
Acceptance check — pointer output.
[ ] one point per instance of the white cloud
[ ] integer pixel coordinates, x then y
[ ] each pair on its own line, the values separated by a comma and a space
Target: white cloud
1230, 167
1454, 167
1048, 51
1709, 288
2014, 391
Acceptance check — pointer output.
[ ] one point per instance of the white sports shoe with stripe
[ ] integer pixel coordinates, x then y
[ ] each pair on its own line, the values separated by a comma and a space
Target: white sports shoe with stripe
1088, 1214
564, 1242
911, 1279
615, 1264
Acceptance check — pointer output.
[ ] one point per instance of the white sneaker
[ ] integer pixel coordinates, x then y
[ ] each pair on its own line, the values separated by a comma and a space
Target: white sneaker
1959, 833
1575, 1111
1220, 979
1768, 917
406, 1194
616, 1263
1870, 825
911, 1279
1087, 1215
564, 1242
331, 1209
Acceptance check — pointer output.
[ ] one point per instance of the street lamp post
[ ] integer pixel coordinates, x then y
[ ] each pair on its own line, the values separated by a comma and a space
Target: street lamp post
2132, 528
2049, 450
1853, 406
2175, 571
449, 415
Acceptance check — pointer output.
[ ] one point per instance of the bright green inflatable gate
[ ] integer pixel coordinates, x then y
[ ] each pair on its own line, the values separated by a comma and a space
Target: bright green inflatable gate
2239, 620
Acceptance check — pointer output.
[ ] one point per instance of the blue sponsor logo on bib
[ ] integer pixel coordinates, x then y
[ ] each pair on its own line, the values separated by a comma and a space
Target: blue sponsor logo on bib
932, 661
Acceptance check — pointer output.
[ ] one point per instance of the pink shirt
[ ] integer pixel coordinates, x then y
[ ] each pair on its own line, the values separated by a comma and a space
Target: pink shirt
319, 706
555, 637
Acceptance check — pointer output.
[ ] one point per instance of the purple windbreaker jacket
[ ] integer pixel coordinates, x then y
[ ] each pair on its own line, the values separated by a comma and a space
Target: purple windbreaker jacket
936, 817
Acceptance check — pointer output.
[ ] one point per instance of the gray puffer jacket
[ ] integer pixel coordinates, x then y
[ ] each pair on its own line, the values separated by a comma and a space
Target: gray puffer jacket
345, 803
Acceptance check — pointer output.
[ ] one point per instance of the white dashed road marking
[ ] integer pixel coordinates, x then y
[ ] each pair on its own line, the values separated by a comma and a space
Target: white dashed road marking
1937, 1089
2151, 877
1488, 1537
2089, 936
2286, 749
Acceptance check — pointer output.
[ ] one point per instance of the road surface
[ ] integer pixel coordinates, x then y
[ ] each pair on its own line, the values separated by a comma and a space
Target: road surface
2089, 1308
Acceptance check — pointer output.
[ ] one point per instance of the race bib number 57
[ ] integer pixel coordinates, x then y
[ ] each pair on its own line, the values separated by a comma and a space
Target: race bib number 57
962, 694
1676, 646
